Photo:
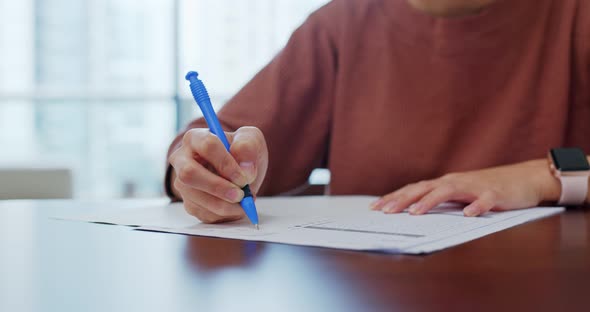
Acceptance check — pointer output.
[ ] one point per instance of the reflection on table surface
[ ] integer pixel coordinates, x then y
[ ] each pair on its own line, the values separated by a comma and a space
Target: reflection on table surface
48, 264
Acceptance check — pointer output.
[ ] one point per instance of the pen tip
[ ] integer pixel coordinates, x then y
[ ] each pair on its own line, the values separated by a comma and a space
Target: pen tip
257, 227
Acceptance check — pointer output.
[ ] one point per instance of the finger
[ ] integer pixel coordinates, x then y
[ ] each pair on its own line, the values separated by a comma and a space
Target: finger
201, 213
193, 174
441, 194
248, 147
210, 148
213, 204
400, 200
483, 204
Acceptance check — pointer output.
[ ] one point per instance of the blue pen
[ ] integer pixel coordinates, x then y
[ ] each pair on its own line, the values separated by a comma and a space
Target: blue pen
202, 98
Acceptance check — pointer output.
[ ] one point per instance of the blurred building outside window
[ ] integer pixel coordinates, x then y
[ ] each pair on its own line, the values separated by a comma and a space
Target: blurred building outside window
98, 85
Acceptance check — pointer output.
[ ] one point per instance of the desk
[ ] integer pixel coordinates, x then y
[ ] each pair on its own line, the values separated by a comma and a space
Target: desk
52, 265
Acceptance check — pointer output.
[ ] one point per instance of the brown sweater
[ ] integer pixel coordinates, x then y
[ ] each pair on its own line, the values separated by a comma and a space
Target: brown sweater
384, 95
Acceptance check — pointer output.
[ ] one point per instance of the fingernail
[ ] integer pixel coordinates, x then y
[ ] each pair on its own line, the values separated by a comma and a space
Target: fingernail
470, 211
390, 206
376, 204
415, 208
234, 195
247, 165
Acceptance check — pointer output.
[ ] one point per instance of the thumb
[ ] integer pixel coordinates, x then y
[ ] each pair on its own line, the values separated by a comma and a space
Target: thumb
249, 150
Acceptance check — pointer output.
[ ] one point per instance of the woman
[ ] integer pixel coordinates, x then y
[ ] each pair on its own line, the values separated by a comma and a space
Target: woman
409, 99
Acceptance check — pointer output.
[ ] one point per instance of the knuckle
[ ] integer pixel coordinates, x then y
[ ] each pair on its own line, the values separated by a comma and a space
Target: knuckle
223, 209
408, 186
175, 158
210, 140
402, 198
253, 130
188, 137
450, 176
218, 189
208, 220
172, 158
194, 136
220, 208
430, 200
419, 184
191, 209
425, 184
258, 135
208, 144
448, 188
492, 195
390, 196
199, 213
240, 145
252, 138
187, 173
178, 184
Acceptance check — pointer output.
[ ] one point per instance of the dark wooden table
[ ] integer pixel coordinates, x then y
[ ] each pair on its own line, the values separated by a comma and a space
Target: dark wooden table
53, 265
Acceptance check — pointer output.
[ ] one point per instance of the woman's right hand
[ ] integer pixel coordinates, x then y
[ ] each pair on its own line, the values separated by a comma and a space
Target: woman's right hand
209, 179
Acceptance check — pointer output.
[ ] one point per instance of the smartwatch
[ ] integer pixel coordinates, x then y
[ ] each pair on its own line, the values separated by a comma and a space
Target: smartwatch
571, 167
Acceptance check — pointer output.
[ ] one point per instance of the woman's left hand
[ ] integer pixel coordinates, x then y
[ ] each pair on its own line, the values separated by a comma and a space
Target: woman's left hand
515, 186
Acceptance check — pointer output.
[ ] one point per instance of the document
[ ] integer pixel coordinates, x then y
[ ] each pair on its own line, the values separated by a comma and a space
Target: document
342, 222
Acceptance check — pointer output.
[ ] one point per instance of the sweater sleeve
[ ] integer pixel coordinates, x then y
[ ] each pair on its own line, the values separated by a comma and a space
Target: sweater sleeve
290, 101
579, 124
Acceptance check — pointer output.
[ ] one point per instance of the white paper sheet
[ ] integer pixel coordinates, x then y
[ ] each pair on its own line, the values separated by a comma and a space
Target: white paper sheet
342, 222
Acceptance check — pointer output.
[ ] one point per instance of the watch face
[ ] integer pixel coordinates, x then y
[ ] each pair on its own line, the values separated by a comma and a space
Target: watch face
569, 159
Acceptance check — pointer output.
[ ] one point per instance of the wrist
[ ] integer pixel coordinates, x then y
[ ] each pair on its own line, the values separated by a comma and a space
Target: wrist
548, 186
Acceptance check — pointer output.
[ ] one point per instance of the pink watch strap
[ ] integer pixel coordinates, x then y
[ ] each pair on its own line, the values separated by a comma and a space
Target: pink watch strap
574, 190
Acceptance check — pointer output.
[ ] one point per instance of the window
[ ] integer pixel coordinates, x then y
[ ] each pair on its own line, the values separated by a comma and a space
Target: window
98, 85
